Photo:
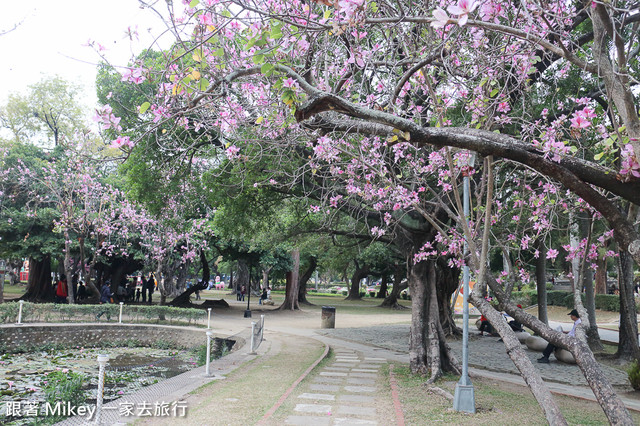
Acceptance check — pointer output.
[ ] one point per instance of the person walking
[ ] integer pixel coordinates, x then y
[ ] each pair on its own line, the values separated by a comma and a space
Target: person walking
151, 285
145, 283
105, 298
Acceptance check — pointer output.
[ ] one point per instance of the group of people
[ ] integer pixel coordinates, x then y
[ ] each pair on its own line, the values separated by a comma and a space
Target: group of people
61, 289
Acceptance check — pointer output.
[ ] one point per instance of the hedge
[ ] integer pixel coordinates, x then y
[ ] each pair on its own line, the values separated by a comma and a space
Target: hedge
604, 302
50, 312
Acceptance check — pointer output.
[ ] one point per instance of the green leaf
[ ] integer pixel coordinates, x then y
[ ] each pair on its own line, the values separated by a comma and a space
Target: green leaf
219, 52
266, 69
144, 107
374, 6
258, 59
194, 3
598, 156
494, 92
204, 84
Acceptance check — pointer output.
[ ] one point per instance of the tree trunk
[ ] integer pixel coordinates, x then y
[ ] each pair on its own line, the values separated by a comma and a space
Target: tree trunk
611, 404
384, 287
184, 299
417, 338
291, 292
302, 286
628, 336
68, 270
242, 276
541, 281
358, 275
391, 301
601, 276
39, 288
439, 355
447, 280
517, 354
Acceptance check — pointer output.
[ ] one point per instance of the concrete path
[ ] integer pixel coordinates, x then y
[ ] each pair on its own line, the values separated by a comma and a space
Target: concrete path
352, 390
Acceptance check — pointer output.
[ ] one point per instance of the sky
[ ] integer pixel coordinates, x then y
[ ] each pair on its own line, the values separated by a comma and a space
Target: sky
51, 38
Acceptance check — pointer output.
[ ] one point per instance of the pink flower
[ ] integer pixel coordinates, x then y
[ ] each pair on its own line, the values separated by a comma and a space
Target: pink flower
463, 9
579, 122
10, 384
441, 18
552, 254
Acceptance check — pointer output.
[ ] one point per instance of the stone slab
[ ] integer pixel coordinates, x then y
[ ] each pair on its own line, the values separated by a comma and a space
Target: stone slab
321, 379
334, 374
373, 359
308, 421
319, 396
369, 366
359, 381
345, 421
361, 399
364, 370
364, 375
359, 389
350, 410
324, 388
332, 368
313, 408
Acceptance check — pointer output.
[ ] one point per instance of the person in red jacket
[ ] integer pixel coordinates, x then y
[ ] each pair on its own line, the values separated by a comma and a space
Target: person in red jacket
61, 290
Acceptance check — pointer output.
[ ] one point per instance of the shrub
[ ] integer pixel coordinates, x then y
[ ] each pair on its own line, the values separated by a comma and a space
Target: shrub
634, 375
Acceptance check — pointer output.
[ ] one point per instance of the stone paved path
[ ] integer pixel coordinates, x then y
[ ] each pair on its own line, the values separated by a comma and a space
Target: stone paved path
345, 392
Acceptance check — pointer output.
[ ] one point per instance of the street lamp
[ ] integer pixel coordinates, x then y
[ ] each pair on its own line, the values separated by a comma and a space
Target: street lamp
464, 397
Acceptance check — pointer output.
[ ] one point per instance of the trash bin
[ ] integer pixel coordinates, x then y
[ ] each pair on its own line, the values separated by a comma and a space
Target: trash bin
328, 317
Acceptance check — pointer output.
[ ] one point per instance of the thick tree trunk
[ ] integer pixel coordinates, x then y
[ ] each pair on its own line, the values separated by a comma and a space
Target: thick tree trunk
628, 337
291, 291
358, 275
242, 276
184, 299
447, 282
439, 355
39, 288
391, 301
384, 287
417, 339
302, 286
541, 281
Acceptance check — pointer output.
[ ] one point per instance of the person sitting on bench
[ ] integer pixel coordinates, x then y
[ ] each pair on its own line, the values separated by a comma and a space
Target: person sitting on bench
575, 316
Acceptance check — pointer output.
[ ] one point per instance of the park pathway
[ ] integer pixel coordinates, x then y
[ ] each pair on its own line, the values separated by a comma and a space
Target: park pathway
345, 392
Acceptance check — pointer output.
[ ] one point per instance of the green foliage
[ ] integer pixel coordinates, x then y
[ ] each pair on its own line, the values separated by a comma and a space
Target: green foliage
604, 302
64, 387
49, 312
634, 375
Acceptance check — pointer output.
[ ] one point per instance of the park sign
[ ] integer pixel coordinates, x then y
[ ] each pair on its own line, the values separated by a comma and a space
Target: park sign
457, 308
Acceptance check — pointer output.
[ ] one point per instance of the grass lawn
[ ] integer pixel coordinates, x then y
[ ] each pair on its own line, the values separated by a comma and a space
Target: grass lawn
14, 291
497, 403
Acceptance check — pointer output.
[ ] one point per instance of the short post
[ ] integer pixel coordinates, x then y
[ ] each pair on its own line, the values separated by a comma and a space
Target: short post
120, 319
209, 334
209, 319
102, 362
20, 312
253, 338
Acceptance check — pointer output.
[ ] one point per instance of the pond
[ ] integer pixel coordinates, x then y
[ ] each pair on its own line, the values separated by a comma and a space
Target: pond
26, 379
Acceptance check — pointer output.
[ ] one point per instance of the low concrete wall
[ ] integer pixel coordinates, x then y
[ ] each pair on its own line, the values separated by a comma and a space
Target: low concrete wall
72, 334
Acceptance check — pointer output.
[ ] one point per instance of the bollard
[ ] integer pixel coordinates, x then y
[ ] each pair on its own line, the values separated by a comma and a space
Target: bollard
102, 362
20, 312
253, 338
209, 319
328, 317
209, 334
120, 319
